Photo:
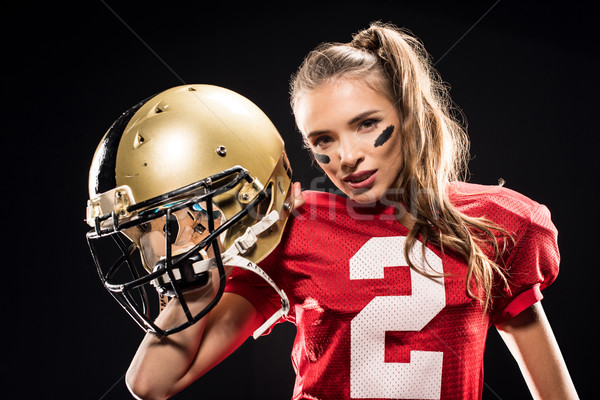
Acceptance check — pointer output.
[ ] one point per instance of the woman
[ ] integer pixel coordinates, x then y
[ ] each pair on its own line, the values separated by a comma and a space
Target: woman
378, 122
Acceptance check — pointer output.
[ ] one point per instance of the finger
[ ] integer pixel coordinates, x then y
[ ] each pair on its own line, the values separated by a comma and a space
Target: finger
297, 195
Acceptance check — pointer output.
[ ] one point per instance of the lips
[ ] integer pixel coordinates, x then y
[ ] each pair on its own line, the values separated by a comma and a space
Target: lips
361, 179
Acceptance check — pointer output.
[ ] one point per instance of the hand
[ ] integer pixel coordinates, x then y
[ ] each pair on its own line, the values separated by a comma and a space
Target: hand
298, 199
197, 299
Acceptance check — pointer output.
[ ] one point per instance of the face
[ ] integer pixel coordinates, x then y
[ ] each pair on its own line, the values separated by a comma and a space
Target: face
354, 133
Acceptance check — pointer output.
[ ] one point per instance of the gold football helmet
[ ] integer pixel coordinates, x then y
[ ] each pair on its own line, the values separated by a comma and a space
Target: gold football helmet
185, 182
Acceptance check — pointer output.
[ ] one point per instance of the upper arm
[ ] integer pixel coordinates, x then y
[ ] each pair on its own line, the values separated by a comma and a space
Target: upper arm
531, 341
228, 325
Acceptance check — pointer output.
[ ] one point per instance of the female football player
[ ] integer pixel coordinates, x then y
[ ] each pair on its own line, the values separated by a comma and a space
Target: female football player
393, 286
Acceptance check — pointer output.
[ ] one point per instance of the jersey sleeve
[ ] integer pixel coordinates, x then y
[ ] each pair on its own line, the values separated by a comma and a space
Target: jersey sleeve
255, 289
531, 266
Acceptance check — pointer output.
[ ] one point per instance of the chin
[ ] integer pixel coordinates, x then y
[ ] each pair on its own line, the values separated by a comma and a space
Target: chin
366, 196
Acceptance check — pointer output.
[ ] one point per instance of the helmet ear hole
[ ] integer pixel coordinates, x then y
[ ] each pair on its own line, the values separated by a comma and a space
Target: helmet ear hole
266, 205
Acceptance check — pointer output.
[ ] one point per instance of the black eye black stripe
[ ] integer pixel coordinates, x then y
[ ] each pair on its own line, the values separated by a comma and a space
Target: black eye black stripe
385, 136
322, 158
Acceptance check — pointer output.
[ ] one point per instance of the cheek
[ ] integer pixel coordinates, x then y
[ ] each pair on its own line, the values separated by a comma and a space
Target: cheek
388, 153
389, 157
322, 158
330, 167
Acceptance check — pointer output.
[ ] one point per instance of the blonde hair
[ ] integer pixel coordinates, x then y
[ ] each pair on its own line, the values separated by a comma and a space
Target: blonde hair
434, 145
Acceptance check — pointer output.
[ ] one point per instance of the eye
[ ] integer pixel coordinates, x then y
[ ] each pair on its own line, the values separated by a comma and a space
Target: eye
322, 141
369, 124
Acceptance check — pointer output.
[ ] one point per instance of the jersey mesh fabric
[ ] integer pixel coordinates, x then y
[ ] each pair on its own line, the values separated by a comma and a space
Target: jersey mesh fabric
370, 327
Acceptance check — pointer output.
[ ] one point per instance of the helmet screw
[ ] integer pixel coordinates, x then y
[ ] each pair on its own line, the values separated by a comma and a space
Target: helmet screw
287, 206
245, 196
222, 151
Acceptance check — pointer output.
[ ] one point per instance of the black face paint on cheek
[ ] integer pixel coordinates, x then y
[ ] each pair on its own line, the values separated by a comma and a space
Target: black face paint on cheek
384, 137
322, 158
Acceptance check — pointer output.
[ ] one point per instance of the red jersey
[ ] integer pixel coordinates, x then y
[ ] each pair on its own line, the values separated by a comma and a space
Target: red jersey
368, 326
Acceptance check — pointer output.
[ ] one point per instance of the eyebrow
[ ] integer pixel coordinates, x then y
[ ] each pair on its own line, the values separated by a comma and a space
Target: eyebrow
316, 133
350, 122
361, 116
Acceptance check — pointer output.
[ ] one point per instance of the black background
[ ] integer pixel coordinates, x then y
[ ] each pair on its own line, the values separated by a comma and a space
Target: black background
525, 75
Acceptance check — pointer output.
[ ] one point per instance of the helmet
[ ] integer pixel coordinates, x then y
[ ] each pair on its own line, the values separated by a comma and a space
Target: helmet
184, 183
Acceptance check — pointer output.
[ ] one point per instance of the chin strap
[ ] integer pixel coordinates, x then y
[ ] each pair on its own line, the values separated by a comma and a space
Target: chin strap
233, 257
243, 263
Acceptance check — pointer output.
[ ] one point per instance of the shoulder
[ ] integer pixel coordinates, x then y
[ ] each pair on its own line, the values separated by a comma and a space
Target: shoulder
317, 206
464, 194
502, 205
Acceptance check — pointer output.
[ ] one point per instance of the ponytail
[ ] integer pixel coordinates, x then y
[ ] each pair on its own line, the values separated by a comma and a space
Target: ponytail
402, 59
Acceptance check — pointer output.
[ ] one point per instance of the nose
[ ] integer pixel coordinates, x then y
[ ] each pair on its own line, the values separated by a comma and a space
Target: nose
350, 151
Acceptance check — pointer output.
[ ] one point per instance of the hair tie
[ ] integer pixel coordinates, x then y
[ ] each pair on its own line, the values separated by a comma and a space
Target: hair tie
367, 40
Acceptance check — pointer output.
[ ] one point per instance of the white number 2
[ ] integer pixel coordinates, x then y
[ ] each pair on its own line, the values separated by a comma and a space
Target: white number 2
370, 375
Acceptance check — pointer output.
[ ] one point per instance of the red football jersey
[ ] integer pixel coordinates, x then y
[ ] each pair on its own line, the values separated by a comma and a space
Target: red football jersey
368, 326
